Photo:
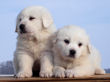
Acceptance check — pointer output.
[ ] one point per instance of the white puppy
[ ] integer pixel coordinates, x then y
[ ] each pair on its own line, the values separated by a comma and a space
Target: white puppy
34, 27
73, 54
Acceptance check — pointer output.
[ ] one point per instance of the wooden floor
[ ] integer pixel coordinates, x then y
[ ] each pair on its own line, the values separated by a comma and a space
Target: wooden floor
95, 78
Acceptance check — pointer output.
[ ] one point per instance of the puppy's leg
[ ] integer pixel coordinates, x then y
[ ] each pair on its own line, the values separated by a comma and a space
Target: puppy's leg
23, 67
59, 71
46, 64
96, 59
79, 71
15, 65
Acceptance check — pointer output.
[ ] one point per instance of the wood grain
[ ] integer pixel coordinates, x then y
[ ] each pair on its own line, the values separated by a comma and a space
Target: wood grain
95, 78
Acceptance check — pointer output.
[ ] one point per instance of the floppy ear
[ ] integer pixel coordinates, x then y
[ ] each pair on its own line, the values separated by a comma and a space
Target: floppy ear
47, 20
89, 48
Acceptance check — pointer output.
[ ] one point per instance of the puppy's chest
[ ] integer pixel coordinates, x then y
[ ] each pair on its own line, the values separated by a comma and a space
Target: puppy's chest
64, 63
33, 48
71, 64
76, 63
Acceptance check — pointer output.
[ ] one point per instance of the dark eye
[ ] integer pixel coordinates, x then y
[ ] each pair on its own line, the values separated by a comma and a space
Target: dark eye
31, 18
80, 44
66, 41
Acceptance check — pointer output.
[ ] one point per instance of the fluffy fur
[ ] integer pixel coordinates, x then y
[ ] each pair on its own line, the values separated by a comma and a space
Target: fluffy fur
33, 40
84, 60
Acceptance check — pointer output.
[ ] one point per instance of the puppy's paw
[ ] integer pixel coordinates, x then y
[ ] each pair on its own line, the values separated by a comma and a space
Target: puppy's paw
73, 73
24, 74
46, 74
100, 72
60, 74
69, 73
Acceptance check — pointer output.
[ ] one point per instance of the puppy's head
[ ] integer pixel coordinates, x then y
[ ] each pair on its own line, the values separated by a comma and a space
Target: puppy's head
32, 20
71, 42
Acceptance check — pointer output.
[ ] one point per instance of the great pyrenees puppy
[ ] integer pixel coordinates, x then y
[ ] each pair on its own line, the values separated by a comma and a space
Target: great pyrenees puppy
73, 54
34, 27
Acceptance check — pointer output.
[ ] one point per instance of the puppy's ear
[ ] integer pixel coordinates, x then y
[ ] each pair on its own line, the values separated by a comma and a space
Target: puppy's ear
47, 20
89, 49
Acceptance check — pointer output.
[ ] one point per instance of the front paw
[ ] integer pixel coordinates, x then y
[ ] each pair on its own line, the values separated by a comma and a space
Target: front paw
69, 73
75, 73
46, 74
100, 71
60, 74
24, 74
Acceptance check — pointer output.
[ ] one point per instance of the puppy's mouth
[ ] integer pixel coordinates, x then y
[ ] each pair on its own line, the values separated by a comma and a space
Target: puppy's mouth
26, 33
23, 31
72, 55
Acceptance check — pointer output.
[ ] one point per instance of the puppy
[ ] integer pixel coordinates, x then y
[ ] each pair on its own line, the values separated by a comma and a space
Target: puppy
34, 27
73, 54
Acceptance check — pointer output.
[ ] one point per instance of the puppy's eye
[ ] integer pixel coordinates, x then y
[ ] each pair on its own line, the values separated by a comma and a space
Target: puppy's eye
80, 44
66, 41
31, 18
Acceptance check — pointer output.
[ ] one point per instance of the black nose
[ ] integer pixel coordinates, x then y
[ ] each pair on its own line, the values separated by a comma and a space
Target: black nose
72, 53
22, 28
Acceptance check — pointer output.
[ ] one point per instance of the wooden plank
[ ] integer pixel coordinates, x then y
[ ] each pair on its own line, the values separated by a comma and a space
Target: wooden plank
95, 78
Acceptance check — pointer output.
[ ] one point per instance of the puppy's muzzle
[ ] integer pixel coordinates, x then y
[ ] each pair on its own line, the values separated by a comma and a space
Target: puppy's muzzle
22, 28
72, 53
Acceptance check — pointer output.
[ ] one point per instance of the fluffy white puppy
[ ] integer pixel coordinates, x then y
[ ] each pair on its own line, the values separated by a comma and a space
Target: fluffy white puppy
73, 54
34, 27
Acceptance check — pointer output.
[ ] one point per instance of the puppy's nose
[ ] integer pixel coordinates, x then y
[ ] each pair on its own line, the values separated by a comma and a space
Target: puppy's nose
72, 52
22, 28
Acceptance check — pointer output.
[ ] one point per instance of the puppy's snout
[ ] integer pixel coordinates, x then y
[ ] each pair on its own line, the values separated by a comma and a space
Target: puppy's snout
72, 53
22, 28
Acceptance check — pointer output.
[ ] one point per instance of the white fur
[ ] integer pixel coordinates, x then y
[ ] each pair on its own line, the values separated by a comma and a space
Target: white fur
34, 43
46, 61
86, 61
